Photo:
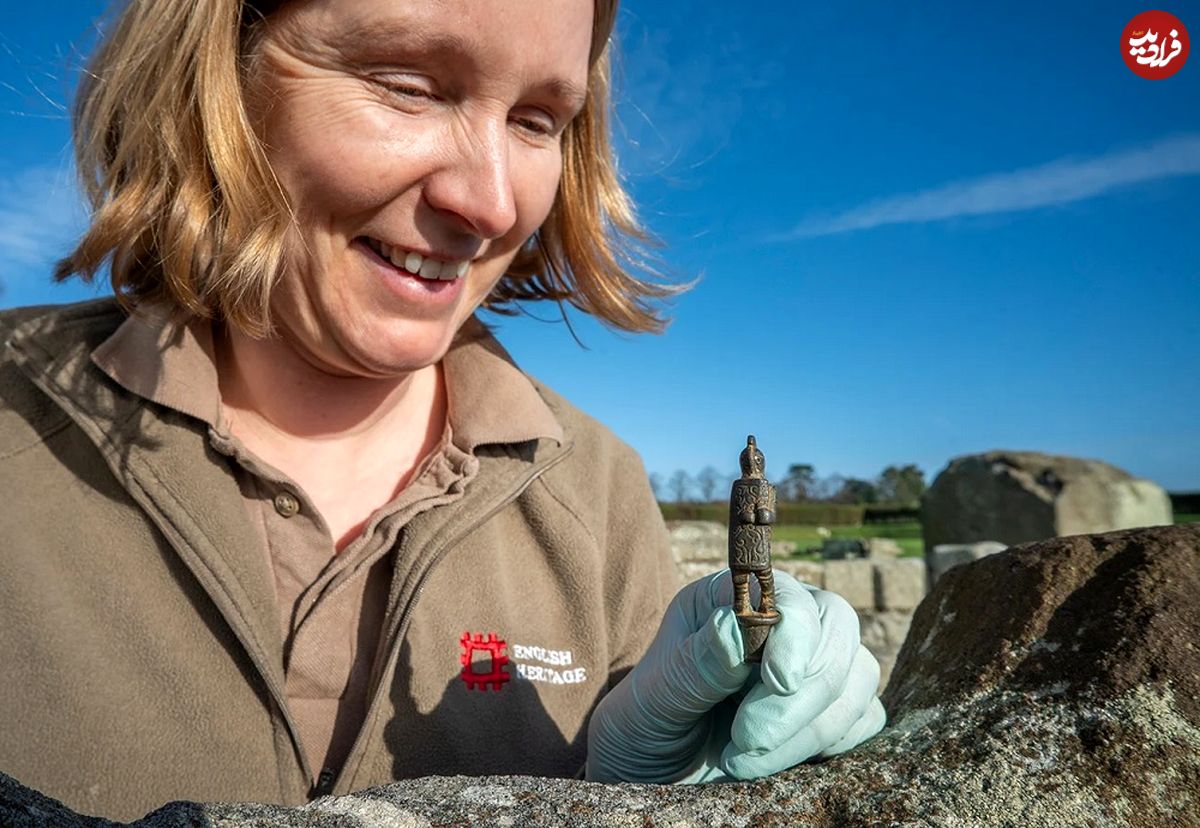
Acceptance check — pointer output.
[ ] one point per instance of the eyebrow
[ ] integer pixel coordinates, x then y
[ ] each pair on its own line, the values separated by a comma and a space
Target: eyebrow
567, 91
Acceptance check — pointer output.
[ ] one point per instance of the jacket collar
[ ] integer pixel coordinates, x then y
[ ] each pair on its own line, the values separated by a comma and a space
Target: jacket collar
490, 401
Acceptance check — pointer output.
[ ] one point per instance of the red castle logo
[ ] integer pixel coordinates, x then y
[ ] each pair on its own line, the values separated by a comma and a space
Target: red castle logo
495, 676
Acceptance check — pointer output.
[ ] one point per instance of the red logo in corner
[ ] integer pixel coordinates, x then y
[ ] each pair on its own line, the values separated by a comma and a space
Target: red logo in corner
1155, 45
495, 675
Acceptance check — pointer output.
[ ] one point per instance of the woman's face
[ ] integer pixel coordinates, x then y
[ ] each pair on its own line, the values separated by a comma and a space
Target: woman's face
422, 134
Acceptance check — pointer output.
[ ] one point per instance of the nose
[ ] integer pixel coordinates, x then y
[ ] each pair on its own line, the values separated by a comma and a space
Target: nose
473, 185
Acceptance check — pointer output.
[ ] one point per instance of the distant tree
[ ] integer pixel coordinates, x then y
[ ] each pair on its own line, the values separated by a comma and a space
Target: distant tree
901, 484
680, 485
827, 488
708, 481
798, 483
656, 485
855, 490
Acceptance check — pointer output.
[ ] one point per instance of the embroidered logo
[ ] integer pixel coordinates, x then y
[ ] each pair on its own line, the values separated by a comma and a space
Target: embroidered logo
493, 647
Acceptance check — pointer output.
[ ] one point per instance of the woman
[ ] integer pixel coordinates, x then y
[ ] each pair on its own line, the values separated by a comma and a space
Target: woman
297, 524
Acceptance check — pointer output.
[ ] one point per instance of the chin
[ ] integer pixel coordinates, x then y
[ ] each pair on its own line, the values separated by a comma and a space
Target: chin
403, 349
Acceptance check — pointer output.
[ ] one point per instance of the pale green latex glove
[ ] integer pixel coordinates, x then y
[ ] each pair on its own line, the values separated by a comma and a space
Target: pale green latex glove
692, 711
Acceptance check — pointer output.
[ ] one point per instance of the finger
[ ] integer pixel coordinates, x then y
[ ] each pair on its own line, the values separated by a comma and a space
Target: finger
766, 719
804, 745
683, 683
697, 601
792, 642
759, 747
832, 725
870, 723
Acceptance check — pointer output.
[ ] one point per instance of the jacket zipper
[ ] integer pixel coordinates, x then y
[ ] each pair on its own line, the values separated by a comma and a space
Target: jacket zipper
402, 623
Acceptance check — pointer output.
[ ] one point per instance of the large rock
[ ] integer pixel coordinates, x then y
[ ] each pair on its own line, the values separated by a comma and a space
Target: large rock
1021, 496
1054, 684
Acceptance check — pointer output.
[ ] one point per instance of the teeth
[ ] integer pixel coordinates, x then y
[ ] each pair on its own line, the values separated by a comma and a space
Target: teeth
418, 265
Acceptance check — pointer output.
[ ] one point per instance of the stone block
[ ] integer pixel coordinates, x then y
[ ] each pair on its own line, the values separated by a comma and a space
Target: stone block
853, 580
694, 570
946, 556
781, 549
698, 540
810, 572
899, 584
881, 548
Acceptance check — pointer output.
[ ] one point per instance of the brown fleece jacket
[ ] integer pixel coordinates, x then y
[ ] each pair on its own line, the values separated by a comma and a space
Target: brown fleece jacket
139, 625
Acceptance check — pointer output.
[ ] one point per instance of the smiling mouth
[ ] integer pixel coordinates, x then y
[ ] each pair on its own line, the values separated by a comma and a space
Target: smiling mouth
418, 265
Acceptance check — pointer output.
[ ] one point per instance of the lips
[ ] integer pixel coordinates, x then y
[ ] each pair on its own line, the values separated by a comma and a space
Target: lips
413, 289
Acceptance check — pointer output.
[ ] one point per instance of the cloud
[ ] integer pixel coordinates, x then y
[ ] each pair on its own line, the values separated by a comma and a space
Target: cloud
680, 97
1048, 185
41, 215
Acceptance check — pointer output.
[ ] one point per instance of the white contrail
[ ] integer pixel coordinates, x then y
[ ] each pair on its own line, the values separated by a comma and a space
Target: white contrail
1058, 182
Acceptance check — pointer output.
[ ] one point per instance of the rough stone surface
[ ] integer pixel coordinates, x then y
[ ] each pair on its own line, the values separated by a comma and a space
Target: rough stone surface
899, 584
853, 580
946, 556
1021, 496
1054, 684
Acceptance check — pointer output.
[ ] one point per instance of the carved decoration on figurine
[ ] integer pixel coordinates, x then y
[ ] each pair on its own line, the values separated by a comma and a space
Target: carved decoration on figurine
751, 515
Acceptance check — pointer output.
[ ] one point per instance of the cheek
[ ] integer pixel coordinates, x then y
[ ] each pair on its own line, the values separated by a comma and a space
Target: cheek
338, 156
536, 177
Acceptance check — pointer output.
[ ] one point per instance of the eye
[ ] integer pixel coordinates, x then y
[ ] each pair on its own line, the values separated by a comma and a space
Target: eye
407, 87
538, 123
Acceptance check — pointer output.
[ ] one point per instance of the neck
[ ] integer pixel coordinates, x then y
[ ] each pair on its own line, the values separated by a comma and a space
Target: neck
270, 389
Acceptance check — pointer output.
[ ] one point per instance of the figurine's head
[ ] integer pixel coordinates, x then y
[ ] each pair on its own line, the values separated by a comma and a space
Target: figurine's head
752, 460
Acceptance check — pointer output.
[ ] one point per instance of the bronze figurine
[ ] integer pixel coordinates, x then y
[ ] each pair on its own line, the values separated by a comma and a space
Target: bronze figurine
751, 514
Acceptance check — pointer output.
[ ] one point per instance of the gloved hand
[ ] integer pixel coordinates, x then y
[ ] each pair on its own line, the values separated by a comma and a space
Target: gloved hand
692, 711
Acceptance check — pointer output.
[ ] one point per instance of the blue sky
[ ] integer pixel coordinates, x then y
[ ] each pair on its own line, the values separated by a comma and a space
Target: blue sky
920, 232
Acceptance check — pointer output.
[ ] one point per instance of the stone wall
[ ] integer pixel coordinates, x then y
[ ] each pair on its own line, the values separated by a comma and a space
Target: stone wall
1059, 706
883, 590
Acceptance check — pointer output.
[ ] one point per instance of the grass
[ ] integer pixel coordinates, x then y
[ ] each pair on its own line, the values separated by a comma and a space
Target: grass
906, 534
1185, 518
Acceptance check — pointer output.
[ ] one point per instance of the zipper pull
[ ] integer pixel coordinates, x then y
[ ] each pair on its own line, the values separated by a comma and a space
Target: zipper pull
324, 784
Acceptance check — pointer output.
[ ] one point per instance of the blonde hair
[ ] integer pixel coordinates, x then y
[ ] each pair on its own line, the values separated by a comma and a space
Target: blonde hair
187, 211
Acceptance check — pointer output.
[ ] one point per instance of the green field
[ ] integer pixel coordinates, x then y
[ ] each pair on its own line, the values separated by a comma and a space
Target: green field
907, 534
